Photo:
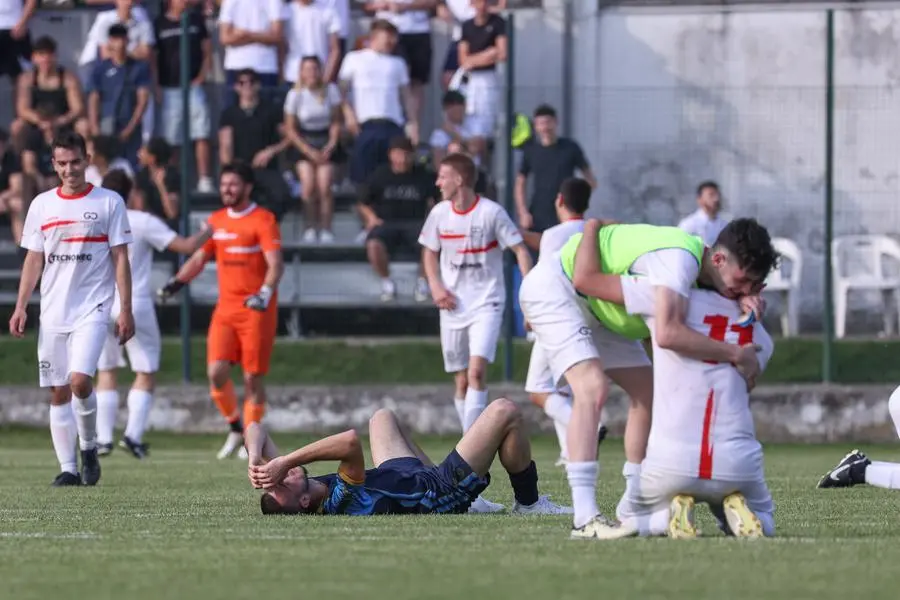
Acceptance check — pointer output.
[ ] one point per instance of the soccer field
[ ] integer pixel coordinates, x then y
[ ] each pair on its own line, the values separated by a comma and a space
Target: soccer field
196, 520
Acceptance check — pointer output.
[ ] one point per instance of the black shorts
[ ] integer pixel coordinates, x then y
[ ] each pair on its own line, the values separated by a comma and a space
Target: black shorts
451, 61
449, 487
398, 239
415, 48
318, 140
13, 52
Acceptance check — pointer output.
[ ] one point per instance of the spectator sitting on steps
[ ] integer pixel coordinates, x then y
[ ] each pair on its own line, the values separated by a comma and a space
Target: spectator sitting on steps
104, 153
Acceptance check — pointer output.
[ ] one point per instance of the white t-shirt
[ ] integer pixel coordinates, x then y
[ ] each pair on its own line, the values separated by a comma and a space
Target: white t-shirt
702, 425
553, 239
471, 260
307, 31
76, 234
10, 13
412, 21
462, 11
312, 111
257, 16
150, 233
93, 176
140, 31
441, 139
673, 268
375, 81
700, 224
342, 9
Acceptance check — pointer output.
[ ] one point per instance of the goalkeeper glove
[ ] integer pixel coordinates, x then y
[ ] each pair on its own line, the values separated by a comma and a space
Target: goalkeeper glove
172, 287
260, 300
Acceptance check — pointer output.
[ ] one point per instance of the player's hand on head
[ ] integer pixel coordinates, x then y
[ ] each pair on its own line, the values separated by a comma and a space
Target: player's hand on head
17, 323
124, 327
270, 474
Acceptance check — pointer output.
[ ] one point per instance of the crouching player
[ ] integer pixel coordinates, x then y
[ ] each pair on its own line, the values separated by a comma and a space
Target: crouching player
702, 445
404, 480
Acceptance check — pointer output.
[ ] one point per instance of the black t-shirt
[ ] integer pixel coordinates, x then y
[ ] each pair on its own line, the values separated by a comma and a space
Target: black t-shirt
252, 130
482, 37
550, 166
168, 48
144, 182
399, 196
9, 166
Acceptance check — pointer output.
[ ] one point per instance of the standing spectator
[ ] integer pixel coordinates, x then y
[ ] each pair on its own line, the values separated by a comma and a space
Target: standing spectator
312, 123
394, 203
140, 46
49, 102
342, 9
412, 20
250, 132
550, 160
379, 83
481, 48
167, 29
457, 12
455, 128
706, 222
15, 39
251, 31
157, 181
11, 202
104, 155
119, 94
311, 29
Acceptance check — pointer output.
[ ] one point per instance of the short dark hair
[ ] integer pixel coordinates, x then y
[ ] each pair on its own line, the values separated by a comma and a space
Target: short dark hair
241, 169
544, 110
69, 140
401, 142
253, 75
383, 25
463, 165
751, 246
452, 98
106, 146
709, 184
118, 30
269, 505
44, 45
159, 149
118, 181
576, 194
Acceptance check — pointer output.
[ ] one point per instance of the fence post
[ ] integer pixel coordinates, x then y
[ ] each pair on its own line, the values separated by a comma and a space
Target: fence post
185, 219
508, 192
828, 332
568, 60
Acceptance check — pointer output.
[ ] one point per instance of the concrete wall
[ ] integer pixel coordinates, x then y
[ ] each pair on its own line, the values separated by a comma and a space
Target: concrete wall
782, 414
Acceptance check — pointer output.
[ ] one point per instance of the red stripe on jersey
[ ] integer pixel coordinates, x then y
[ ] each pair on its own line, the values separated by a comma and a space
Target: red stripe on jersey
78, 196
487, 248
452, 236
47, 226
95, 238
706, 450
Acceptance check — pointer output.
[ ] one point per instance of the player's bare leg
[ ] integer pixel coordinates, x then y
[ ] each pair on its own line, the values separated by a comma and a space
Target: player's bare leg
254, 403
140, 401
388, 440
107, 410
221, 389
84, 405
499, 432
461, 385
558, 406
64, 433
476, 389
638, 384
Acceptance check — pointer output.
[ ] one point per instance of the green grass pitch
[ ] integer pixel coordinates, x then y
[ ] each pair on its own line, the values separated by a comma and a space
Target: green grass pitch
184, 525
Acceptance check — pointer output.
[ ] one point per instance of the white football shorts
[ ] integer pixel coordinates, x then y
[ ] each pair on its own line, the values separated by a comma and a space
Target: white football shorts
61, 354
479, 338
144, 349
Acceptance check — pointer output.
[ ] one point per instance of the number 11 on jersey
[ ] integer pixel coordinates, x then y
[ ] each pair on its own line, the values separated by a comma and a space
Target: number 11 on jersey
719, 326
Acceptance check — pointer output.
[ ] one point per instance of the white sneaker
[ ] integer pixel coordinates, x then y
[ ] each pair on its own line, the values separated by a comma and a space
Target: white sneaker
482, 506
542, 507
362, 236
422, 292
234, 441
326, 237
388, 290
243, 454
205, 185
310, 236
601, 528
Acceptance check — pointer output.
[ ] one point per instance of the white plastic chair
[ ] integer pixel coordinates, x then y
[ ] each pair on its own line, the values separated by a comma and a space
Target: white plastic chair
786, 283
857, 263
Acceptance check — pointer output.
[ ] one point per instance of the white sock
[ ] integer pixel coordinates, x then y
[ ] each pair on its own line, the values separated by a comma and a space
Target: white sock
883, 475
768, 523
107, 409
583, 481
460, 404
894, 409
476, 400
562, 433
632, 474
653, 524
559, 408
139, 403
64, 433
86, 419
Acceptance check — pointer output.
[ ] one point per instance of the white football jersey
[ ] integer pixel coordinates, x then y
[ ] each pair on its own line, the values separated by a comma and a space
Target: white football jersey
75, 234
150, 233
471, 246
556, 237
702, 425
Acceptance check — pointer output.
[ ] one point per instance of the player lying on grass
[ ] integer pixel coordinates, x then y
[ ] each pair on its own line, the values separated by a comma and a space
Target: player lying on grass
404, 480
856, 468
702, 445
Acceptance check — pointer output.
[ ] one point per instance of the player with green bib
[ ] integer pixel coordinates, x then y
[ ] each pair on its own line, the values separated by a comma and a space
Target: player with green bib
586, 339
